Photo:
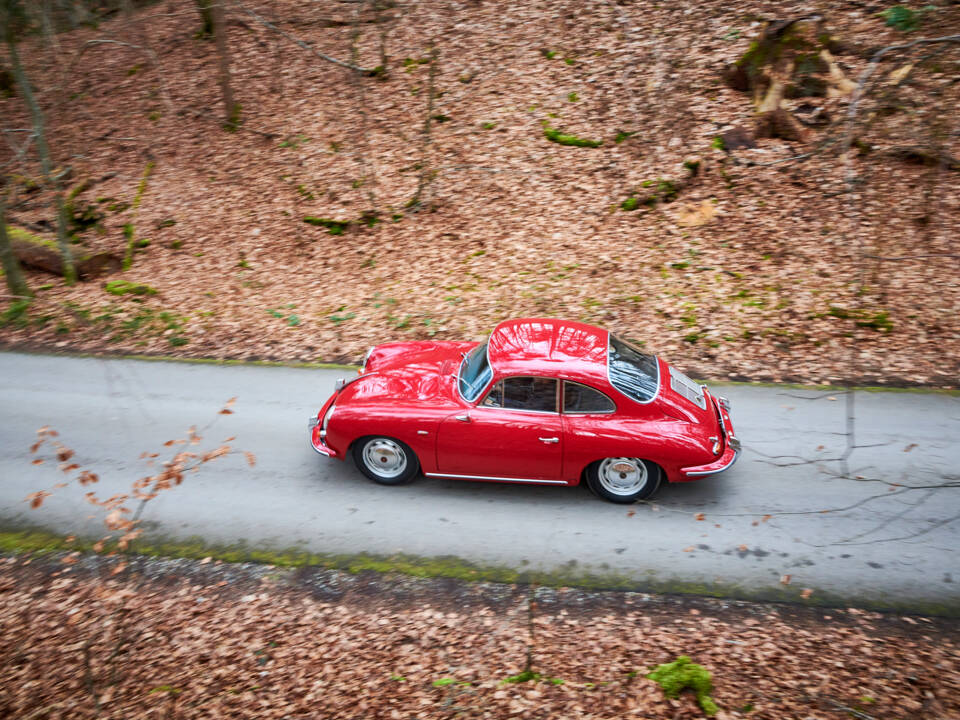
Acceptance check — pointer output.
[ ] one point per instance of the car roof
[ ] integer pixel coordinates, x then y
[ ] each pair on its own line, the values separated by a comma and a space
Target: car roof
546, 346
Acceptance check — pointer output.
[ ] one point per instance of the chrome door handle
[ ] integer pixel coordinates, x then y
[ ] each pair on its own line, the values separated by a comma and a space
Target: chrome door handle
462, 418
549, 440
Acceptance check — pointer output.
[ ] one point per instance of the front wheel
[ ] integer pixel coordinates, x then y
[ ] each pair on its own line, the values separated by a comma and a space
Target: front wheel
385, 460
624, 480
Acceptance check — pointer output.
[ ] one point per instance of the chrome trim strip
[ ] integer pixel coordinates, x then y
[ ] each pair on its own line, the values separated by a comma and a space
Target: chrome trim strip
350, 381
486, 388
701, 473
500, 479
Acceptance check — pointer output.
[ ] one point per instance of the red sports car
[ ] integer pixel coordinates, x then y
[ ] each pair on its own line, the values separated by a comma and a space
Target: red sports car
548, 402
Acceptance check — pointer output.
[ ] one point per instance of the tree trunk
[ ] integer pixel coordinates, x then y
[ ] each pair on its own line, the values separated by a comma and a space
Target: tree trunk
69, 272
39, 253
205, 8
16, 283
231, 110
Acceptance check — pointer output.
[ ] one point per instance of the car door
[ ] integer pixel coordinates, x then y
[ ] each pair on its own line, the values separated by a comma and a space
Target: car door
513, 433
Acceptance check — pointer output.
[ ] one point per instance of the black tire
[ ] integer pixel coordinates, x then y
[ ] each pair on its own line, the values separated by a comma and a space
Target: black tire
635, 479
385, 460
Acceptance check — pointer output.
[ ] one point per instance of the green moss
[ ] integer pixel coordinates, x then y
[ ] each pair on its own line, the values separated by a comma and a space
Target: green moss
16, 315
718, 144
22, 235
129, 229
122, 287
900, 18
631, 203
683, 674
566, 139
878, 321
334, 227
622, 135
234, 121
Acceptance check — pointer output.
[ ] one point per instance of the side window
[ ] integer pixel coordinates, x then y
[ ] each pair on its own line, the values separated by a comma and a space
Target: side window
523, 393
579, 398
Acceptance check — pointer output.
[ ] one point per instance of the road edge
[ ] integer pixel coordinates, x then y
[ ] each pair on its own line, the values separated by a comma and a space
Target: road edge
32, 540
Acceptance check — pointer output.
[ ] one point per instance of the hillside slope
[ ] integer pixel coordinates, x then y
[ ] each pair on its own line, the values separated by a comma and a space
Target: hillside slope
748, 263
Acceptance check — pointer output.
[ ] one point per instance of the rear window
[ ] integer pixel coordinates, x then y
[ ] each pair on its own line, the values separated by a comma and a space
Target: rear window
634, 373
475, 373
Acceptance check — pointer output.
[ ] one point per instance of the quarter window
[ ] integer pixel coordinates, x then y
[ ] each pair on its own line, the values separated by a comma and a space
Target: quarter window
523, 393
580, 399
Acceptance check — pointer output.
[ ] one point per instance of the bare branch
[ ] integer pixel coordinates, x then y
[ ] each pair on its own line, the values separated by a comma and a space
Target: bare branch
911, 257
305, 45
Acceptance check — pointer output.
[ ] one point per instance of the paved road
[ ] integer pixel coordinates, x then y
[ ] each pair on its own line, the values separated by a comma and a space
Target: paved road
880, 543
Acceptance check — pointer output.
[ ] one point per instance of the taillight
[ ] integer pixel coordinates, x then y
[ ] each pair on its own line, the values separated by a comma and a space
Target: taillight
326, 420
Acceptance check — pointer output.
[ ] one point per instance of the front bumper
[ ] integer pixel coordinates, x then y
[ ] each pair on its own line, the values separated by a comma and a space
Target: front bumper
315, 425
317, 441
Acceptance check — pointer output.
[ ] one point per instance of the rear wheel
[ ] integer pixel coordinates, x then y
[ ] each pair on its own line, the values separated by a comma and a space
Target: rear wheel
624, 480
385, 460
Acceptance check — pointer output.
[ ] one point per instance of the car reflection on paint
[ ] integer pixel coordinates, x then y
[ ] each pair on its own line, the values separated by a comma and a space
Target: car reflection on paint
542, 401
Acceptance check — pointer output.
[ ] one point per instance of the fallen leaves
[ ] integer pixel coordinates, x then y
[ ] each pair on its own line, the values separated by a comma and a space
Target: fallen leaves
282, 651
696, 215
36, 498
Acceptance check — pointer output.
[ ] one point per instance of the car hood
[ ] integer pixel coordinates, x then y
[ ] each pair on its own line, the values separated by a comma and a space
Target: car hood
418, 371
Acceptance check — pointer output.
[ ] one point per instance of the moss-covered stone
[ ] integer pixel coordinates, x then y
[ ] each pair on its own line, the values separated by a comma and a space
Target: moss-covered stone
122, 287
560, 138
684, 674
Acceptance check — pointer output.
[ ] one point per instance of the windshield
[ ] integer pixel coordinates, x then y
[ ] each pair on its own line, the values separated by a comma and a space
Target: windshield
634, 373
475, 373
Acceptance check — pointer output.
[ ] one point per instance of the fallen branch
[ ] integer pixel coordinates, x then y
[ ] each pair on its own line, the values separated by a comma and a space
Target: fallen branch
911, 257
305, 45
41, 254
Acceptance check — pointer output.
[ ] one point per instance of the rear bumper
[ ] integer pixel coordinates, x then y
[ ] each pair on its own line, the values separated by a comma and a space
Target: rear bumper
731, 450
728, 458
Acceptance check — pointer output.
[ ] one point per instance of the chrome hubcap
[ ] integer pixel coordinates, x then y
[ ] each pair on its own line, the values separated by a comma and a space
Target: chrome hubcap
623, 476
384, 458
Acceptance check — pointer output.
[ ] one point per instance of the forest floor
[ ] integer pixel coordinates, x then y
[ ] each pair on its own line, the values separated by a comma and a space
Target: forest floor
761, 266
85, 636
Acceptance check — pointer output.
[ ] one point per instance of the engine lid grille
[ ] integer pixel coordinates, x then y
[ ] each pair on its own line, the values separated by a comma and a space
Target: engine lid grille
682, 385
